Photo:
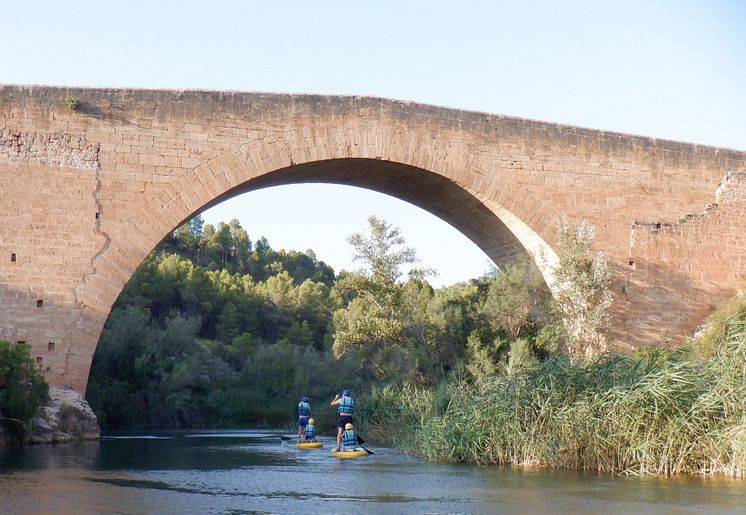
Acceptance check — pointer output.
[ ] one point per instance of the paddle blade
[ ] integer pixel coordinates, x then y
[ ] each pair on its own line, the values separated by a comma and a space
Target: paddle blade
366, 449
287, 438
360, 439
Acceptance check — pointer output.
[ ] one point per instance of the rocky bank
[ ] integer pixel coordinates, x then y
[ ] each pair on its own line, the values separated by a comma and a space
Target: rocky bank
65, 417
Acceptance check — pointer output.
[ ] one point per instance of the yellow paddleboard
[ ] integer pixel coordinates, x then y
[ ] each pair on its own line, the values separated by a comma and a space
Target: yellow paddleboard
348, 454
309, 445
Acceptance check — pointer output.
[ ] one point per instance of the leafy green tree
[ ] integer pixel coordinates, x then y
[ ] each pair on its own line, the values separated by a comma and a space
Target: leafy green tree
480, 362
382, 251
195, 226
386, 323
515, 298
228, 325
22, 387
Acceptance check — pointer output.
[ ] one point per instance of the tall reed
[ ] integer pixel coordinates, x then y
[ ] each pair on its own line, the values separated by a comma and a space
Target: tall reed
657, 415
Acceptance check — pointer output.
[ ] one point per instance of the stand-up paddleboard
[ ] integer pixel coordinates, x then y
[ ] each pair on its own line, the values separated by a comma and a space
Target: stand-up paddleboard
348, 454
309, 445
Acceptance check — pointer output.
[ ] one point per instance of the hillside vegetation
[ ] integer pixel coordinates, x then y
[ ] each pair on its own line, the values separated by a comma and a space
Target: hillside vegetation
214, 330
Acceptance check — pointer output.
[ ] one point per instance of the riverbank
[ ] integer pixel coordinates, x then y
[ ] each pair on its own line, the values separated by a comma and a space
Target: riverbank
682, 412
65, 417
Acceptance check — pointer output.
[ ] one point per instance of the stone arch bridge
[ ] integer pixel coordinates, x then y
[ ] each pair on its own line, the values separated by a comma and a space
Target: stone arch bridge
86, 193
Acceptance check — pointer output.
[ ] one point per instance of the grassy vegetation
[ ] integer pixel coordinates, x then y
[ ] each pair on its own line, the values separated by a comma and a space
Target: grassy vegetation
653, 415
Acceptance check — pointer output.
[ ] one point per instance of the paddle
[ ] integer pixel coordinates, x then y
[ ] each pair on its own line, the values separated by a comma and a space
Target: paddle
288, 438
360, 442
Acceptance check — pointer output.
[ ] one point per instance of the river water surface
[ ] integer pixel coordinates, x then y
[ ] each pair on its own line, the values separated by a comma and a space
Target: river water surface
250, 471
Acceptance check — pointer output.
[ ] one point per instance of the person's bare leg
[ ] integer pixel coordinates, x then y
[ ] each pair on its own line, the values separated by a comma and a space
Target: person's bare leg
339, 438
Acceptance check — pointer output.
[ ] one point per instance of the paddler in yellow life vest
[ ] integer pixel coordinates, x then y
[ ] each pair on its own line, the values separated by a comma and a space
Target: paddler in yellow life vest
304, 413
345, 406
349, 440
310, 431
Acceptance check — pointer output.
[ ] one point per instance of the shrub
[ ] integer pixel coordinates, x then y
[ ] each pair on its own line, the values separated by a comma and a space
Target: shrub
660, 414
582, 297
72, 103
22, 388
706, 344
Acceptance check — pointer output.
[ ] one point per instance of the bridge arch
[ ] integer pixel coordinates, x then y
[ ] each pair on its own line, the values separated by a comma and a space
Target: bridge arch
501, 234
90, 192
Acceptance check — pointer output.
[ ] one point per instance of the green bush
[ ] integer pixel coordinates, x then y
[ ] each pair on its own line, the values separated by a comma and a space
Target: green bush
22, 388
72, 103
660, 414
706, 344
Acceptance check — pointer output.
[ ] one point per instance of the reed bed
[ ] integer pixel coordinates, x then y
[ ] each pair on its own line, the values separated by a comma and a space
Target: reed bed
663, 414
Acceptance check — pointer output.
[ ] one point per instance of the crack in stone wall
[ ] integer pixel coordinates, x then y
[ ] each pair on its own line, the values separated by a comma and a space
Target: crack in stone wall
56, 149
84, 280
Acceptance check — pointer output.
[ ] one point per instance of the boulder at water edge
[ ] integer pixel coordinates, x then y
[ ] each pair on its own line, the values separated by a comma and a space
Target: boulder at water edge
64, 418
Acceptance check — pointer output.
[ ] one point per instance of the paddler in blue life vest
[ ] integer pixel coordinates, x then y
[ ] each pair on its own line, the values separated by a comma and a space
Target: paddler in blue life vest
304, 413
311, 431
349, 440
345, 406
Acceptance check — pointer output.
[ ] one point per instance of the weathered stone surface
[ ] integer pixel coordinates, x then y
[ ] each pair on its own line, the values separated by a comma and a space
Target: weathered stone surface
86, 194
65, 418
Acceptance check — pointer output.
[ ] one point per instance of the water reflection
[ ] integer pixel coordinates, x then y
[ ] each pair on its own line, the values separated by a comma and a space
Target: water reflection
190, 452
75, 455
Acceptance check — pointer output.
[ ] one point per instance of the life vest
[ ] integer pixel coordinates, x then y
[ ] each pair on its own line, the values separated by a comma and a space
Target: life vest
346, 406
348, 438
304, 409
311, 431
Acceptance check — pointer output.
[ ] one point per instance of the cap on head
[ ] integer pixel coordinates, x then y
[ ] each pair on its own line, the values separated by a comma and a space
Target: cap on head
348, 426
311, 421
305, 399
346, 393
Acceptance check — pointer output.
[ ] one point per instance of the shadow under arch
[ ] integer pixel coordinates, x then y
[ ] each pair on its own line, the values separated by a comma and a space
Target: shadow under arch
495, 230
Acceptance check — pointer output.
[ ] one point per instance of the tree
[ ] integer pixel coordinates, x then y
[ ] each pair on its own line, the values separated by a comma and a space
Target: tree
194, 226
372, 317
228, 326
22, 388
514, 298
382, 251
241, 246
224, 241
582, 297
386, 323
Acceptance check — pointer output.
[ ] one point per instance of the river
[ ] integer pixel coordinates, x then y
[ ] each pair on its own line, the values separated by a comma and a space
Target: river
251, 471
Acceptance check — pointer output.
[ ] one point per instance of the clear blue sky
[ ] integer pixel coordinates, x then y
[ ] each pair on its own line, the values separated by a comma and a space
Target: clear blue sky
669, 69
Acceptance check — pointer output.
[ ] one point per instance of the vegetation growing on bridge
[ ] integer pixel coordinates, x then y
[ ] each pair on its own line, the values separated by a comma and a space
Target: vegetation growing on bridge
72, 103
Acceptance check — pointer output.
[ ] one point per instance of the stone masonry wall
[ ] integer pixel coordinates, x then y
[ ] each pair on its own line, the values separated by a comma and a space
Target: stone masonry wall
86, 194
688, 266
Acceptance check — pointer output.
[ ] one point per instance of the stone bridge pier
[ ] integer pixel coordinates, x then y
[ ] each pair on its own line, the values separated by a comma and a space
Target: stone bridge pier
87, 192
